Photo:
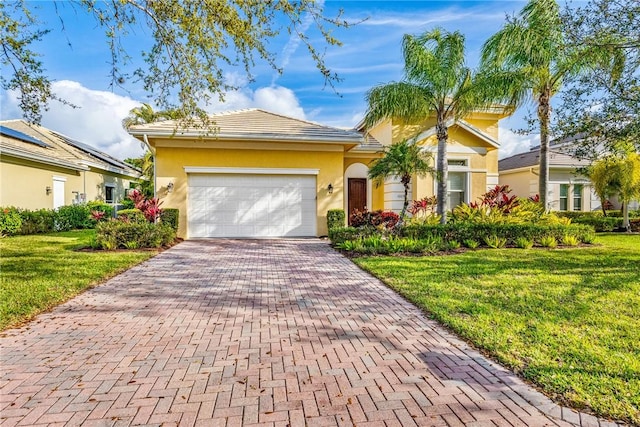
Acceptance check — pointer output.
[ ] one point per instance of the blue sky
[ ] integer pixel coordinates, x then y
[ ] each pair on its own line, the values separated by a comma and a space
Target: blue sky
76, 58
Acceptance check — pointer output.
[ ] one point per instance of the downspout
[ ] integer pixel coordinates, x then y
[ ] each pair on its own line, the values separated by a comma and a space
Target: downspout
145, 139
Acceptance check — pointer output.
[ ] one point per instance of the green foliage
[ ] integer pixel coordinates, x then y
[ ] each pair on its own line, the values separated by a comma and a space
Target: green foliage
170, 217
131, 215
550, 241
193, 42
101, 207
379, 245
401, 159
495, 242
437, 82
569, 240
335, 218
470, 243
10, 221
37, 221
119, 234
451, 245
524, 243
73, 217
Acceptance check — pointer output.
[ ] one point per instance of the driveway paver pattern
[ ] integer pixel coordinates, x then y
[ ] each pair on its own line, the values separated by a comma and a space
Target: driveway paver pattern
254, 333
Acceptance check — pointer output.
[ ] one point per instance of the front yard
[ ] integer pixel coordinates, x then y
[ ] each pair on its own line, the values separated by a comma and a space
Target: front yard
43, 270
567, 319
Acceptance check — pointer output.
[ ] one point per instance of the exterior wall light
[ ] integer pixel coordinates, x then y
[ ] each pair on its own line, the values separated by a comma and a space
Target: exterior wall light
330, 189
48, 190
170, 187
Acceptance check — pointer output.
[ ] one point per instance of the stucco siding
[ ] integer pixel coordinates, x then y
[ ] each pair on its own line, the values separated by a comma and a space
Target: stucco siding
519, 182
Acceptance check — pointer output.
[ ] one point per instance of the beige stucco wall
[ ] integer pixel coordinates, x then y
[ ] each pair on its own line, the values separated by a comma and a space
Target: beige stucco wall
23, 184
171, 161
519, 182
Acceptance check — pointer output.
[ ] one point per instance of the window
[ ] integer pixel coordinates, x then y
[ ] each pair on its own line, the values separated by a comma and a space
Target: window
577, 197
457, 162
564, 197
109, 192
457, 187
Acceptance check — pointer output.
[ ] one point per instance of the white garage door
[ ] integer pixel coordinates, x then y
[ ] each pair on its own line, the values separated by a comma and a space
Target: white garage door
235, 205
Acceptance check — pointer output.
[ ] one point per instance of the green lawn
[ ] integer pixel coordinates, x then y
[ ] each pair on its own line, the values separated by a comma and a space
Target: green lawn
566, 319
42, 271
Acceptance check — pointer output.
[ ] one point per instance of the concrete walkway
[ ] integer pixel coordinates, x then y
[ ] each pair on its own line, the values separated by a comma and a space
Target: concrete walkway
272, 333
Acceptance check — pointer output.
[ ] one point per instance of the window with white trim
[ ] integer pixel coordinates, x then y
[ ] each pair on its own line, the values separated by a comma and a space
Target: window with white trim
456, 189
564, 197
577, 197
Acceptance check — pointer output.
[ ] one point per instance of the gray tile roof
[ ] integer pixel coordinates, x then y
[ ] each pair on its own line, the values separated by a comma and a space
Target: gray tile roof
256, 124
532, 158
56, 149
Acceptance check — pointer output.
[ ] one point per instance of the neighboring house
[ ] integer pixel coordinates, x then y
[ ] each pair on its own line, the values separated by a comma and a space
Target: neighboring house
266, 175
40, 168
568, 189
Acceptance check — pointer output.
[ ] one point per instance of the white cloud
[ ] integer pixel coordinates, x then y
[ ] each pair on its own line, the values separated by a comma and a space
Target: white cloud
511, 143
277, 99
97, 121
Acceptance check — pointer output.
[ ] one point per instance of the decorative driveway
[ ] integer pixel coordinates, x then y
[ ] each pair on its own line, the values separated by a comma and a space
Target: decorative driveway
242, 332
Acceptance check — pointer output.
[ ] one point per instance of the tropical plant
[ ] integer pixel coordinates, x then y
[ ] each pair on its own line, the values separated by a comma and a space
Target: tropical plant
150, 207
471, 244
534, 57
495, 242
402, 160
524, 243
436, 82
548, 242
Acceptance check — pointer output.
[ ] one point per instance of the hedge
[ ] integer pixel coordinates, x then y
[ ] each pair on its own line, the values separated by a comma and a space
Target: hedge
335, 218
464, 231
170, 217
10, 222
115, 234
131, 215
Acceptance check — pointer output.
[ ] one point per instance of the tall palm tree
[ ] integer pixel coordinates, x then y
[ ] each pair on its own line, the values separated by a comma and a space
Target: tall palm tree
403, 160
436, 81
531, 50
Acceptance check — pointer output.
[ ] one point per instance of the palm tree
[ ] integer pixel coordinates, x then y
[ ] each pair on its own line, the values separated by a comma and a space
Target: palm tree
403, 160
531, 51
436, 81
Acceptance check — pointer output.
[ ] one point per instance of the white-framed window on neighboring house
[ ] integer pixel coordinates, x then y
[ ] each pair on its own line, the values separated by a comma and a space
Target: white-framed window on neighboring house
564, 197
457, 186
577, 197
109, 193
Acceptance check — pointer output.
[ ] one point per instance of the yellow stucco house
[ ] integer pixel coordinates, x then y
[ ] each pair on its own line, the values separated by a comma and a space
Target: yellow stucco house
40, 168
267, 175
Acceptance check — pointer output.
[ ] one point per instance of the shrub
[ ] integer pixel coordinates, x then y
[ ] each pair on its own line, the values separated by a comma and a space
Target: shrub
451, 245
170, 217
131, 215
471, 244
72, 217
548, 242
335, 218
38, 221
495, 242
98, 206
115, 234
599, 223
10, 221
570, 240
150, 207
524, 243
382, 219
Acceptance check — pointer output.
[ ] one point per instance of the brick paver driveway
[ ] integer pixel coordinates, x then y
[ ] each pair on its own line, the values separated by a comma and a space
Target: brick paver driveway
285, 333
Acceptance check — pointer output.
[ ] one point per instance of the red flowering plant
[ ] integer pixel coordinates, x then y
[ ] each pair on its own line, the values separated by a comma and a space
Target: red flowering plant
424, 210
150, 207
376, 219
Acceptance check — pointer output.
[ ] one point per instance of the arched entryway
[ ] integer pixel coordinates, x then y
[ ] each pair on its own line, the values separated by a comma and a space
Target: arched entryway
357, 188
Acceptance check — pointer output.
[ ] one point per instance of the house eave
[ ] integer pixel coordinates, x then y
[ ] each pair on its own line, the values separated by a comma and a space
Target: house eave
42, 159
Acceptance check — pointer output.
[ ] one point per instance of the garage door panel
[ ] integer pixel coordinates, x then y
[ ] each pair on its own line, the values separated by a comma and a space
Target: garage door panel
236, 205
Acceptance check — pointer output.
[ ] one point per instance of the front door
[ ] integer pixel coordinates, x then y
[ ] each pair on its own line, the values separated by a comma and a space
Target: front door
357, 195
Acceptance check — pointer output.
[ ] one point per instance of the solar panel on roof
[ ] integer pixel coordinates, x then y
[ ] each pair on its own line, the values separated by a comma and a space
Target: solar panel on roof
12, 133
94, 152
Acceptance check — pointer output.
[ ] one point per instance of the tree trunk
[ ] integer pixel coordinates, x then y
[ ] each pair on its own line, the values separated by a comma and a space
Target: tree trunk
544, 116
405, 183
442, 168
625, 217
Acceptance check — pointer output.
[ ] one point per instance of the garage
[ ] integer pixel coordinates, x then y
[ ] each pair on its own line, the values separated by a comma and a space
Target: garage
252, 205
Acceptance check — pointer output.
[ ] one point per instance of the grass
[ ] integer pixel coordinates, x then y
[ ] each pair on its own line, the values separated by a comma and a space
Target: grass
566, 319
42, 271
